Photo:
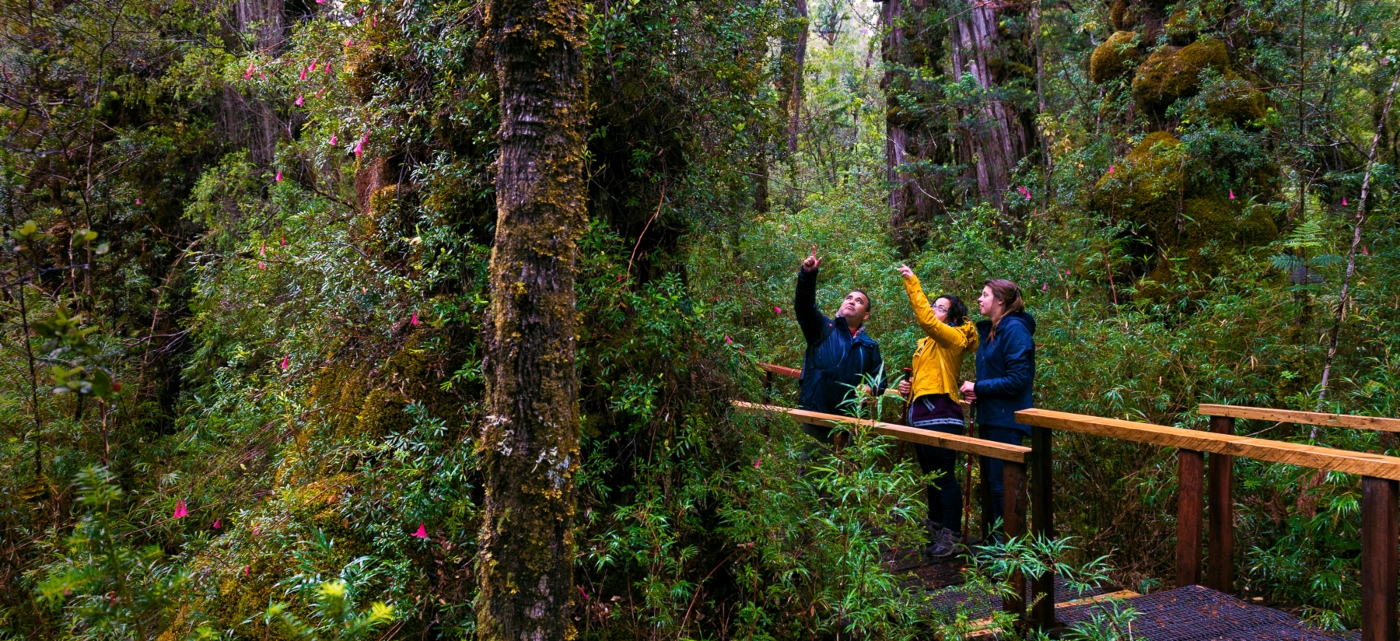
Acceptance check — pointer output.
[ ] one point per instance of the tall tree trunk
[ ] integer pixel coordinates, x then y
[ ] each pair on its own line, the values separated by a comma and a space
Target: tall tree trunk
529, 442
251, 122
1000, 134
916, 131
791, 67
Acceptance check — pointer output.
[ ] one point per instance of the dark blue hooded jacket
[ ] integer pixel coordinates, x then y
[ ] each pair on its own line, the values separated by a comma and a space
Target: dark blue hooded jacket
835, 360
1005, 370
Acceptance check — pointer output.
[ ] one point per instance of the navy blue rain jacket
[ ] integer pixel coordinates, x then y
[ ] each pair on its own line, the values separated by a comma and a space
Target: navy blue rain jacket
835, 361
1005, 370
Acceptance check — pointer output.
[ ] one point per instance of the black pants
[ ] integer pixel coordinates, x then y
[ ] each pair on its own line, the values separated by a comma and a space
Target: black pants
944, 494
1008, 435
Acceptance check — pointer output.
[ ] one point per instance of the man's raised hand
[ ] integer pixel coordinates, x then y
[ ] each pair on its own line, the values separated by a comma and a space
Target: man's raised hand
905, 271
811, 262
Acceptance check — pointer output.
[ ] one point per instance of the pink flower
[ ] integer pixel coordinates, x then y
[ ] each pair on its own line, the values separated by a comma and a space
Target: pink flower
414, 320
374, 21
303, 75
262, 265
757, 463
279, 175
246, 570
360, 146
728, 340
422, 532
1344, 201
1024, 192
777, 310
217, 523
1110, 169
284, 362
262, 251
1232, 194
180, 511
138, 201
1364, 251
262, 74
299, 100
1045, 287
312, 68
255, 529
328, 68
248, 75
1066, 272
284, 241
349, 43
332, 139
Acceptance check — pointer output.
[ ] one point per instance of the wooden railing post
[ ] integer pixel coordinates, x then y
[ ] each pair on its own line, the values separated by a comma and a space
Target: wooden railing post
1380, 529
1042, 523
1014, 524
1190, 473
1221, 570
985, 489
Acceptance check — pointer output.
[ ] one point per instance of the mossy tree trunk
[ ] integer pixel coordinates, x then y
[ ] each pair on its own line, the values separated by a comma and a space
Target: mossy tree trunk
916, 131
528, 448
792, 64
1000, 133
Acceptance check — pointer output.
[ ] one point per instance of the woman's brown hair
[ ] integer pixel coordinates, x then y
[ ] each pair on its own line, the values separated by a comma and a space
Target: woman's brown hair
1009, 294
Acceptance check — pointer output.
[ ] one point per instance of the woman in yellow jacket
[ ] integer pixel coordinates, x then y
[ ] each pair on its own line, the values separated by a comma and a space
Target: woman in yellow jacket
932, 391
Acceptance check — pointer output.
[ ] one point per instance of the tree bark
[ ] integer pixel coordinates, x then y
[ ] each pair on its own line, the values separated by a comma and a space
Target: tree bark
251, 122
529, 447
916, 131
791, 67
1000, 134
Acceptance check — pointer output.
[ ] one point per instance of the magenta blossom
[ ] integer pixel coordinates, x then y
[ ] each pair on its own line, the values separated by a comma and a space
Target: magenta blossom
180, 511
422, 532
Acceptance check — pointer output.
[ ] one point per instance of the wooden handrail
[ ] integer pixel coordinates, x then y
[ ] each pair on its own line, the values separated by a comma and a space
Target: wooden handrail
780, 370
1302, 418
1322, 458
957, 442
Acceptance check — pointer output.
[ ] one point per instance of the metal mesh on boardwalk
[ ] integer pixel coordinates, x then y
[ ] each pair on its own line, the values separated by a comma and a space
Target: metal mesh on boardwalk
1195, 613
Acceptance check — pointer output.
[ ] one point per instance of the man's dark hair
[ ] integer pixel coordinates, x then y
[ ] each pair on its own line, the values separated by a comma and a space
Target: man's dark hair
869, 302
957, 311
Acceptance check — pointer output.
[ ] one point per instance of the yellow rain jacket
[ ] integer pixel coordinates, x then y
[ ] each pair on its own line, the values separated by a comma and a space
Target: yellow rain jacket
938, 359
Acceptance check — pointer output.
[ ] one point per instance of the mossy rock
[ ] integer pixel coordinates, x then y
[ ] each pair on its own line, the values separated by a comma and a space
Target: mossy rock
1114, 58
1211, 228
1183, 26
1235, 99
1145, 188
1172, 73
369, 57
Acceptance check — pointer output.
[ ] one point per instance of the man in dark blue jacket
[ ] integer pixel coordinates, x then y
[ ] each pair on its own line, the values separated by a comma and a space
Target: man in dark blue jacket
840, 355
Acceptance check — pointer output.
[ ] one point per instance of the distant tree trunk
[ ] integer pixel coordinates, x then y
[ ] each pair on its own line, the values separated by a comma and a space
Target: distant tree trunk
791, 67
529, 442
250, 122
916, 131
1001, 134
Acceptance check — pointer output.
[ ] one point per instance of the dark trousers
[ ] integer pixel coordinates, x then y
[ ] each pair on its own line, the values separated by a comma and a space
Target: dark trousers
944, 494
993, 466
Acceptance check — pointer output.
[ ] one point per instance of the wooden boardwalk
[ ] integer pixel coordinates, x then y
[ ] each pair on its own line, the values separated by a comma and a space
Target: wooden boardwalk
1199, 607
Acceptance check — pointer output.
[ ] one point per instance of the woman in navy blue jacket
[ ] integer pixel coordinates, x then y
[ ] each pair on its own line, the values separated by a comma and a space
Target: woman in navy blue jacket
1005, 372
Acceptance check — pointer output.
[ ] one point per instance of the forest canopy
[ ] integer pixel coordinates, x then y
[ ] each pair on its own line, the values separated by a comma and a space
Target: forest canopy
248, 318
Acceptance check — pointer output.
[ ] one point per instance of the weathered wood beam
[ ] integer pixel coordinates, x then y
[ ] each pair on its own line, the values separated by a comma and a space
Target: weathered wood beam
1323, 458
956, 442
1302, 418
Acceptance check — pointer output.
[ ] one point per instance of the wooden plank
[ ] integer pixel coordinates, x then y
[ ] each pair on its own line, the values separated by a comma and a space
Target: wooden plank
1323, 458
1042, 523
955, 442
1189, 505
1013, 519
1302, 418
1380, 559
1220, 571
780, 370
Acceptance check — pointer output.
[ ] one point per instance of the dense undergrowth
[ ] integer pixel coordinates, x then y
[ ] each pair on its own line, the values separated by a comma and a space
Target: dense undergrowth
242, 369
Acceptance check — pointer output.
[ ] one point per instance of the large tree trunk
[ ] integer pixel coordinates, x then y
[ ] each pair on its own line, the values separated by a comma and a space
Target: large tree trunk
916, 140
791, 67
529, 442
1000, 134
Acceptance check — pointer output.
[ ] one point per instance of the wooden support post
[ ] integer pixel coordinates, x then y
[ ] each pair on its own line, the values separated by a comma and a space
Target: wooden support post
985, 489
1190, 473
1380, 529
1014, 524
1042, 523
1220, 573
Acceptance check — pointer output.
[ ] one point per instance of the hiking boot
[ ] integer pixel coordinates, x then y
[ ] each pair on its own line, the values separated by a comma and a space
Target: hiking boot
945, 544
